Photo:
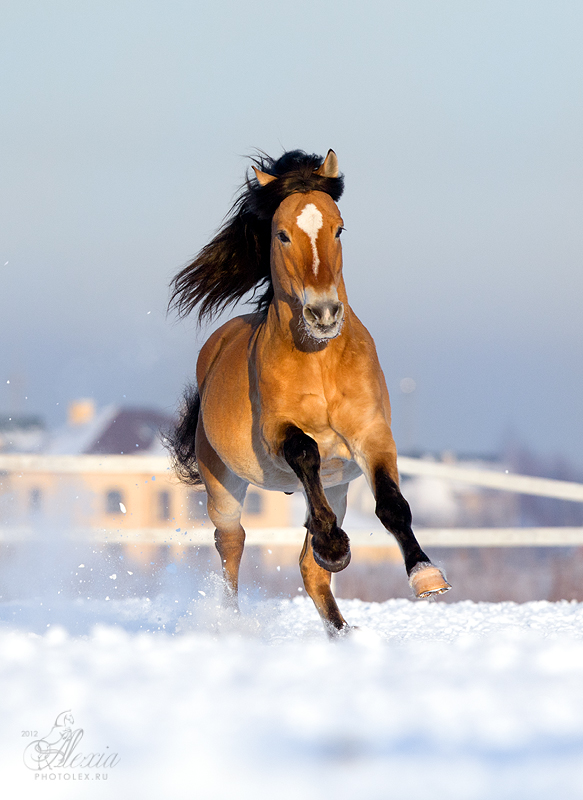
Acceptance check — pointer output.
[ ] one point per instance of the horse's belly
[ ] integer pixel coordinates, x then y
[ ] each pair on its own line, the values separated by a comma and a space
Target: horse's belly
336, 464
338, 470
332, 473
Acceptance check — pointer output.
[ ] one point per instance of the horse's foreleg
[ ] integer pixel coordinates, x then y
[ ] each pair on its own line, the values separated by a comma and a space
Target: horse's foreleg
379, 463
329, 542
317, 583
393, 511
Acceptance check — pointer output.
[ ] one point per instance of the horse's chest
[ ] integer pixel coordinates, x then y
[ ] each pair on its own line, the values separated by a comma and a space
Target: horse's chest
312, 412
315, 416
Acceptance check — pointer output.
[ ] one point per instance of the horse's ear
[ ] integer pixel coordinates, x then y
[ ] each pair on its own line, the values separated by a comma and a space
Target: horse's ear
329, 168
263, 177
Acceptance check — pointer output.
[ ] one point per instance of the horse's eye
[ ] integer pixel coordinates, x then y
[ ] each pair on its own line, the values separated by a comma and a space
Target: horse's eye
338, 232
283, 237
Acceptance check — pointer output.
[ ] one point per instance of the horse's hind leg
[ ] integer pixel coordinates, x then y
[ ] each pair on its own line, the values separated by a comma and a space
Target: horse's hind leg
226, 493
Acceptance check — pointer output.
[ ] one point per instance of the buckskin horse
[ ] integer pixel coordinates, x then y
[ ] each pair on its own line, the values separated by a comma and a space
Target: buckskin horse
291, 397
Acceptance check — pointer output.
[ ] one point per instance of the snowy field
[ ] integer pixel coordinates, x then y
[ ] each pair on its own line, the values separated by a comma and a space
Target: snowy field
463, 700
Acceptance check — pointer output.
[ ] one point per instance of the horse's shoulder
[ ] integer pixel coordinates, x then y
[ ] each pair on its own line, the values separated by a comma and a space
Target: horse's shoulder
232, 330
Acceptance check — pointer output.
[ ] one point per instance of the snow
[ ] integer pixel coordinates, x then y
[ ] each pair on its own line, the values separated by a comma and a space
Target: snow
462, 700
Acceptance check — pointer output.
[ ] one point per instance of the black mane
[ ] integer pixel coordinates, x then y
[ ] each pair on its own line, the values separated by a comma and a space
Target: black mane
237, 260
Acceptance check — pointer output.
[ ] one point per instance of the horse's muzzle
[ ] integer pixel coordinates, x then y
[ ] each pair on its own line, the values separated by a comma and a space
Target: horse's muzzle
323, 319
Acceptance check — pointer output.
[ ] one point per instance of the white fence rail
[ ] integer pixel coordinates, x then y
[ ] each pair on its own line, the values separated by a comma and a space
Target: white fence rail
442, 537
19, 463
274, 537
506, 482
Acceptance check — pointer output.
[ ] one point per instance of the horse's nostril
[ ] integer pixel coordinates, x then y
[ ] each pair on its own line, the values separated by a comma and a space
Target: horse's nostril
311, 313
324, 314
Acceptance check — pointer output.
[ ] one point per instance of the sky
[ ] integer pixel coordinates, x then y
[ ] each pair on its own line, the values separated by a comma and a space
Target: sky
125, 131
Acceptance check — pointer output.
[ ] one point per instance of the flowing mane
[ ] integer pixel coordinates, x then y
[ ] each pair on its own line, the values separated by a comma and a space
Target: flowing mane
237, 260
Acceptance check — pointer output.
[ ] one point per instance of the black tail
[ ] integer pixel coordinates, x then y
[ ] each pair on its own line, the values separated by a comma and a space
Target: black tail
181, 440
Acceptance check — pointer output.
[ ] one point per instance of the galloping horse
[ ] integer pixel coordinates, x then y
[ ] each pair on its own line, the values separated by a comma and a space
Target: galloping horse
291, 397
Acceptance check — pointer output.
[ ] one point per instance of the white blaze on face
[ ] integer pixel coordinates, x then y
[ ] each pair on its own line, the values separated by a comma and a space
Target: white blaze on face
310, 221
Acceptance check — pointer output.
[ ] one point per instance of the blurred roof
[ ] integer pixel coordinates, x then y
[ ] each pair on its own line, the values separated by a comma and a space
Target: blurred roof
113, 430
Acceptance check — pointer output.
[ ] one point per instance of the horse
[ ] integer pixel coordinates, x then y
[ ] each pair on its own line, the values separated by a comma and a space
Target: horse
291, 397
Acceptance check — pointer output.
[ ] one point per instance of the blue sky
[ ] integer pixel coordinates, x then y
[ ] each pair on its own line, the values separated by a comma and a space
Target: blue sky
123, 136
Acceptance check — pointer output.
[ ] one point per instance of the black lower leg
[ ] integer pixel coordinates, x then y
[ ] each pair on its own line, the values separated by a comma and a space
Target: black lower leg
393, 511
329, 542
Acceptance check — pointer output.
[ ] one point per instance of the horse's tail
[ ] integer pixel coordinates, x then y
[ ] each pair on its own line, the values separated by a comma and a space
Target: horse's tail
181, 439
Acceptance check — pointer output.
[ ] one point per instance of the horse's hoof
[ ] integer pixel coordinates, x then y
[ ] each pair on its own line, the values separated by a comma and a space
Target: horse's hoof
427, 581
340, 633
332, 566
332, 550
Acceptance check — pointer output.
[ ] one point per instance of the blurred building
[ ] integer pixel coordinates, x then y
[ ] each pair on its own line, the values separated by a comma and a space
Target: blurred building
125, 498
128, 499
22, 434
113, 430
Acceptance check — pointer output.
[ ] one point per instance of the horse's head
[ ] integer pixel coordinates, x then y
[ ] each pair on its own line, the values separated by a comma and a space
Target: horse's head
298, 259
306, 259
306, 254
